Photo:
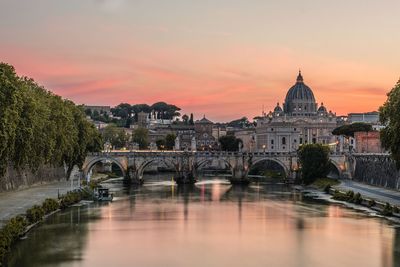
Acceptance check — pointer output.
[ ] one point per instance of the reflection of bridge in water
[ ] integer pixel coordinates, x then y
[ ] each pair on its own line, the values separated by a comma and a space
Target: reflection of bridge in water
188, 164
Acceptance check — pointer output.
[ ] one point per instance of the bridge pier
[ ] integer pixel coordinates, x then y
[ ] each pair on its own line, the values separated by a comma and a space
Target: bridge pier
185, 177
239, 176
133, 176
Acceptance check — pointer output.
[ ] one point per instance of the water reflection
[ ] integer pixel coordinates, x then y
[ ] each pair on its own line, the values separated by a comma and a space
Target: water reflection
210, 224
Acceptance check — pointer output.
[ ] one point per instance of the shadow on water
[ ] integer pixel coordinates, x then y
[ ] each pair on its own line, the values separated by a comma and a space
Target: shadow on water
62, 238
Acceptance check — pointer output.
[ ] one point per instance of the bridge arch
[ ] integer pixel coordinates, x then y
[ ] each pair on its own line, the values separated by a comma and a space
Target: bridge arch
336, 168
141, 168
285, 168
88, 167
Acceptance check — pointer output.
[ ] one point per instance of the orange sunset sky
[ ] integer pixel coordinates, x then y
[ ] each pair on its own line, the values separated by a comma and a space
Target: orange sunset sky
222, 58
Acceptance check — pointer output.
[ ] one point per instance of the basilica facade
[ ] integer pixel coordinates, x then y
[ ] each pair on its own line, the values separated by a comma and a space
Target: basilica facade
299, 121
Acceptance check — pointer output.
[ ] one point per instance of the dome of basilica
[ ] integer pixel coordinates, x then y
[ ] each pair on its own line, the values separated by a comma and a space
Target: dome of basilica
300, 99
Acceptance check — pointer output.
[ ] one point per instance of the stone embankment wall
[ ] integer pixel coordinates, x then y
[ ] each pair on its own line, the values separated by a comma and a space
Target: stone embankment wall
379, 170
14, 179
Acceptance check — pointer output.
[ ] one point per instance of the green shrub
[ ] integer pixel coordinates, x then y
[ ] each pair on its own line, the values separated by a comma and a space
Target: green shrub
34, 214
327, 188
357, 199
387, 210
340, 196
69, 199
10, 232
371, 203
350, 194
396, 209
50, 205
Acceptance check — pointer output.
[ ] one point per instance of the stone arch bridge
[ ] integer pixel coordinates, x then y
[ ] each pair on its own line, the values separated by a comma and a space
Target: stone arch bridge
187, 164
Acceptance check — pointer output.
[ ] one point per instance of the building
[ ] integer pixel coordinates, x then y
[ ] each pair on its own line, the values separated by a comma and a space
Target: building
248, 138
367, 142
204, 134
367, 117
300, 121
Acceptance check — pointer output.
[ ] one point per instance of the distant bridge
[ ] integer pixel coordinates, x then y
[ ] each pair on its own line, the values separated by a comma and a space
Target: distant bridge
187, 164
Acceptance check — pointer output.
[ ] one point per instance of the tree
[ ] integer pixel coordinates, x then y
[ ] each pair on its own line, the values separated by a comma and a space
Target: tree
229, 143
39, 128
140, 136
314, 161
349, 129
170, 141
240, 123
389, 115
191, 121
185, 119
160, 143
123, 110
115, 135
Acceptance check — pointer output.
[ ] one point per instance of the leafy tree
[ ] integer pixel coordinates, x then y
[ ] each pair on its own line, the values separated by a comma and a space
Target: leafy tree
185, 119
389, 115
229, 143
170, 141
314, 161
349, 129
123, 110
240, 123
160, 144
115, 135
191, 120
39, 128
140, 136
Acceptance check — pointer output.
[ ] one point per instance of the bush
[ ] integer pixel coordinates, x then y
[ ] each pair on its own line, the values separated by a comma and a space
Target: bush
50, 205
371, 203
396, 209
387, 210
357, 199
10, 232
69, 199
34, 214
327, 188
340, 196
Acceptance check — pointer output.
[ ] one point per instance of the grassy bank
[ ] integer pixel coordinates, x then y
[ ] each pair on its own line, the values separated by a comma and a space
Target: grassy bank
383, 208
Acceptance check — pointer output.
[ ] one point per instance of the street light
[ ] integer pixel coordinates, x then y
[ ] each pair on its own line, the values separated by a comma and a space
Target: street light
264, 146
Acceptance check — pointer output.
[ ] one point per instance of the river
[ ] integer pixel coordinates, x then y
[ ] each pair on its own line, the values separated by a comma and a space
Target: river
209, 224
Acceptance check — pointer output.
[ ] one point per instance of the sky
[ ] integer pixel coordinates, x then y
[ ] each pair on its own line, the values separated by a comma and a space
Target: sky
222, 58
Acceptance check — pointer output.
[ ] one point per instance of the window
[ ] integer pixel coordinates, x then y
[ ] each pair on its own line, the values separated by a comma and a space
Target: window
301, 140
295, 141
272, 129
272, 141
283, 140
294, 129
314, 140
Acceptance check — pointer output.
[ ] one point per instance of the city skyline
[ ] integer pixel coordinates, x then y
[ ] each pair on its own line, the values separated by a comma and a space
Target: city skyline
225, 59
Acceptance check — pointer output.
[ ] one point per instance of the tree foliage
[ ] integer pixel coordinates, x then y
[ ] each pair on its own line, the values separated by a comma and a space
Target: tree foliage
141, 137
314, 161
170, 141
389, 115
38, 127
229, 143
349, 129
240, 123
115, 135
129, 113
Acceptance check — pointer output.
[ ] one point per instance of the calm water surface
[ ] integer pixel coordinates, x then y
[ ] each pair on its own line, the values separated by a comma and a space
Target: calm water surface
209, 224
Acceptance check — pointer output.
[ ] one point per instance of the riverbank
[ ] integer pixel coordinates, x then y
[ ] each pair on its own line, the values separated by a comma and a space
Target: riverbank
383, 201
